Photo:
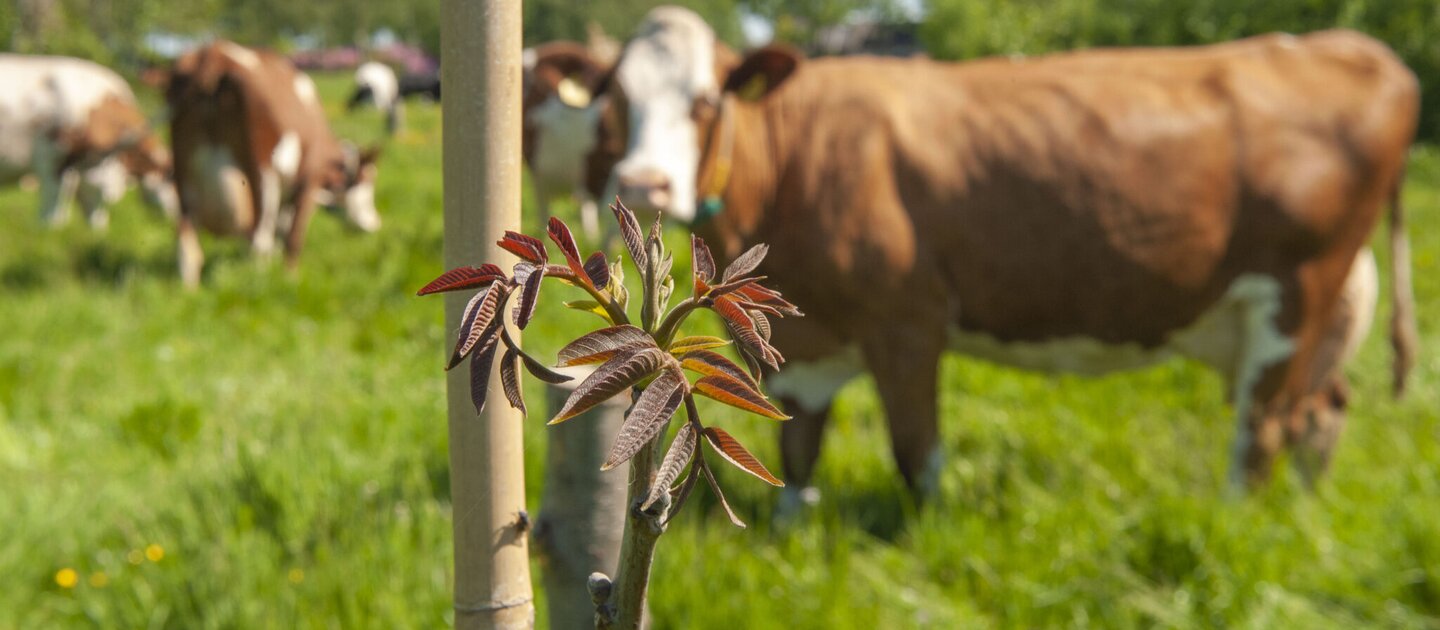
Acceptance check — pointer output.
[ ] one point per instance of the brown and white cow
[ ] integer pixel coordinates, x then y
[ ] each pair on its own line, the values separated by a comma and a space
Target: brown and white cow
559, 133
75, 126
254, 154
1082, 212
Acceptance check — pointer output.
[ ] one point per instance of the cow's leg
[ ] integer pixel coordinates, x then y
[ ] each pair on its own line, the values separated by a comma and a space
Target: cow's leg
57, 183
542, 205
262, 239
191, 258
800, 439
92, 202
590, 219
905, 363
395, 117
304, 207
1316, 427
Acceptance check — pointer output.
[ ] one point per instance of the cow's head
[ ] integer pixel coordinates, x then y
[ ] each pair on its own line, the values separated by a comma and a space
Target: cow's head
561, 112
348, 186
148, 161
668, 97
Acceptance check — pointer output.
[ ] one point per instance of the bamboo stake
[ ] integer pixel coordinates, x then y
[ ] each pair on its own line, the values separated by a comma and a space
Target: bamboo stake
481, 72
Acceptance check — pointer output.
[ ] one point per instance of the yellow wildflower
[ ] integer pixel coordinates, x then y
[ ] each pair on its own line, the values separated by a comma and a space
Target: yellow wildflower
155, 553
67, 577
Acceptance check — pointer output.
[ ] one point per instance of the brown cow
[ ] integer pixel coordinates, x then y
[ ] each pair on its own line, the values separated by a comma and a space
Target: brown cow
76, 127
559, 137
1082, 212
254, 154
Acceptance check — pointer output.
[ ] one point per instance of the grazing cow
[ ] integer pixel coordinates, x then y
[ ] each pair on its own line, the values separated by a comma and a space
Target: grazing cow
75, 126
254, 154
1082, 212
375, 83
426, 85
559, 132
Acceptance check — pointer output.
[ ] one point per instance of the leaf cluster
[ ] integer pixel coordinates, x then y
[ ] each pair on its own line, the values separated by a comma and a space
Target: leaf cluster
651, 360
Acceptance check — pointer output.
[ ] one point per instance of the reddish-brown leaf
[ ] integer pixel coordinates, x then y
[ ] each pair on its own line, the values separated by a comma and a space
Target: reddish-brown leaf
762, 325
560, 234
529, 295
747, 262
602, 344
615, 376
698, 342
597, 270
760, 294
720, 290
527, 247
736, 393
630, 232
650, 415
461, 278
480, 366
680, 494
476, 322
715, 487
732, 313
543, 373
707, 363
510, 379
755, 307
682, 449
701, 261
736, 454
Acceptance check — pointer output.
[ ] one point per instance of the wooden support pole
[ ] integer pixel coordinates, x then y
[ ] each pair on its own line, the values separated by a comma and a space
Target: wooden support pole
481, 72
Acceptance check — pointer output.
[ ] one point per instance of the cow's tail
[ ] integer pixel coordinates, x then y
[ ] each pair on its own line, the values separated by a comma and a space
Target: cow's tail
1404, 336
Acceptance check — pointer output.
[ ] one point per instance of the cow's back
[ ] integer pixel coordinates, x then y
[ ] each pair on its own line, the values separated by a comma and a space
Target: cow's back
50, 96
1111, 195
237, 110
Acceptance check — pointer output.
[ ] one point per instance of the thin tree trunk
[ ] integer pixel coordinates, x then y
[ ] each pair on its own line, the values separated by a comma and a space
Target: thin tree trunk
582, 512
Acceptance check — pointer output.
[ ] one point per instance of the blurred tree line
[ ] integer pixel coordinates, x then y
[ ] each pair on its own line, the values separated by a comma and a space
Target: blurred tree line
964, 29
113, 31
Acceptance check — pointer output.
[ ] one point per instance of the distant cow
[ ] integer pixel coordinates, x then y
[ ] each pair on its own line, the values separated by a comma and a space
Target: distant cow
375, 84
254, 154
75, 126
1082, 212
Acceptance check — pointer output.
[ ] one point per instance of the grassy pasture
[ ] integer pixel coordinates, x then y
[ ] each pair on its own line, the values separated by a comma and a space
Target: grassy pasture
271, 452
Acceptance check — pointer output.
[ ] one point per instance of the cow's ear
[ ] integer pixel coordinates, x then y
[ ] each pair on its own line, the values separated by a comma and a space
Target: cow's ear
762, 71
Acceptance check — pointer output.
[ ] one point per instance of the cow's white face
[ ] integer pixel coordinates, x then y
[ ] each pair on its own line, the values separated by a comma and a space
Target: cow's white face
360, 202
349, 188
667, 67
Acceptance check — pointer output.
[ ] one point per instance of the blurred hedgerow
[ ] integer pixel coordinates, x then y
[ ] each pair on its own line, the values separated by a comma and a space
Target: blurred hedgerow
648, 361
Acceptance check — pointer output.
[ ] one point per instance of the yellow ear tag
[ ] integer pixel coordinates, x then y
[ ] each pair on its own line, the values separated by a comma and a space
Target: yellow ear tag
753, 89
572, 93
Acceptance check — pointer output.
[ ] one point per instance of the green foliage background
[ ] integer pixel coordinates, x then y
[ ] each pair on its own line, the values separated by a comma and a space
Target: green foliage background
963, 29
281, 438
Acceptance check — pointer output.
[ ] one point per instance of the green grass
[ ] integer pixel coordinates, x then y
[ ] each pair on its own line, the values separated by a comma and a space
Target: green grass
282, 438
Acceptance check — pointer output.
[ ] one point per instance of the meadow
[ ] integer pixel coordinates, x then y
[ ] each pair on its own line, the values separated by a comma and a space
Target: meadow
270, 452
